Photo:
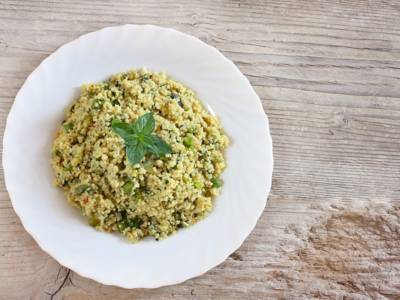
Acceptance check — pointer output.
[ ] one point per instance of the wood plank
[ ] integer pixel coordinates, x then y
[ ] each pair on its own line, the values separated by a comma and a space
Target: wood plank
327, 73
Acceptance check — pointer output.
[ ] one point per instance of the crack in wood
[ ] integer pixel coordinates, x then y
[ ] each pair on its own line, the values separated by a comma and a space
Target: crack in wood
53, 294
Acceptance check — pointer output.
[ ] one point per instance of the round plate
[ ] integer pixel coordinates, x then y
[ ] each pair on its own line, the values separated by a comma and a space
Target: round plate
61, 231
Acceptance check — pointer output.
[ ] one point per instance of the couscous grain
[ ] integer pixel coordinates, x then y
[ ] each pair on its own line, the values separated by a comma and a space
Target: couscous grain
160, 194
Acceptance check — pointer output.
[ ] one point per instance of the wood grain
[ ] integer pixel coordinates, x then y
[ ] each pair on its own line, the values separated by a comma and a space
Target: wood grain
327, 73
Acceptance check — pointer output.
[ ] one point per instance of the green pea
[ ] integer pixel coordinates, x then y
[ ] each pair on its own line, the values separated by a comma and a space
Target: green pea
93, 221
128, 187
216, 182
188, 141
198, 184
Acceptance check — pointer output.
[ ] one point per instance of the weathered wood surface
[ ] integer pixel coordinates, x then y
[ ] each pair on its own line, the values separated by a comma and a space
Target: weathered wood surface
327, 73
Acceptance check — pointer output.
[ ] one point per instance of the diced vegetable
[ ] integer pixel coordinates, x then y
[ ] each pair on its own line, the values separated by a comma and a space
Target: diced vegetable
68, 127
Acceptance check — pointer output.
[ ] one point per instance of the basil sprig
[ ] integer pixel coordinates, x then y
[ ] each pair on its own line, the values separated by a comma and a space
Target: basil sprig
139, 138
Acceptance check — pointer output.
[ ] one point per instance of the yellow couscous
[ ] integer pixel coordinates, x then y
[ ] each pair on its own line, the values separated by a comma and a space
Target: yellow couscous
159, 192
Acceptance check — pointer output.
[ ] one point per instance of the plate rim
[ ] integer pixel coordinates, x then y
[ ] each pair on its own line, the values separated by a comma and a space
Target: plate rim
42, 245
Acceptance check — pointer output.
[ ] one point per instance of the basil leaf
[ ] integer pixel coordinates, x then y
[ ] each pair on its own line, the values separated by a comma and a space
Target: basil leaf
123, 129
158, 146
135, 153
145, 124
139, 139
132, 140
146, 139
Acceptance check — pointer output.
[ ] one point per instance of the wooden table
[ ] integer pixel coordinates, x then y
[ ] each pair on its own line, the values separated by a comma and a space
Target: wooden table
327, 73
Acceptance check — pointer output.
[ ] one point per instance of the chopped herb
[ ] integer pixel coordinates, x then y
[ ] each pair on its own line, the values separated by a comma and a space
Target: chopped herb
121, 226
68, 127
216, 182
191, 129
68, 169
81, 189
115, 102
127, 222
65, 183
56, 152
177, 215
75, 180
138, 198
97, 103
139, 139
135, 222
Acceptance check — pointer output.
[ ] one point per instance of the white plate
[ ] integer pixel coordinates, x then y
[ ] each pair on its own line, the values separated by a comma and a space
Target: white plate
59, 229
